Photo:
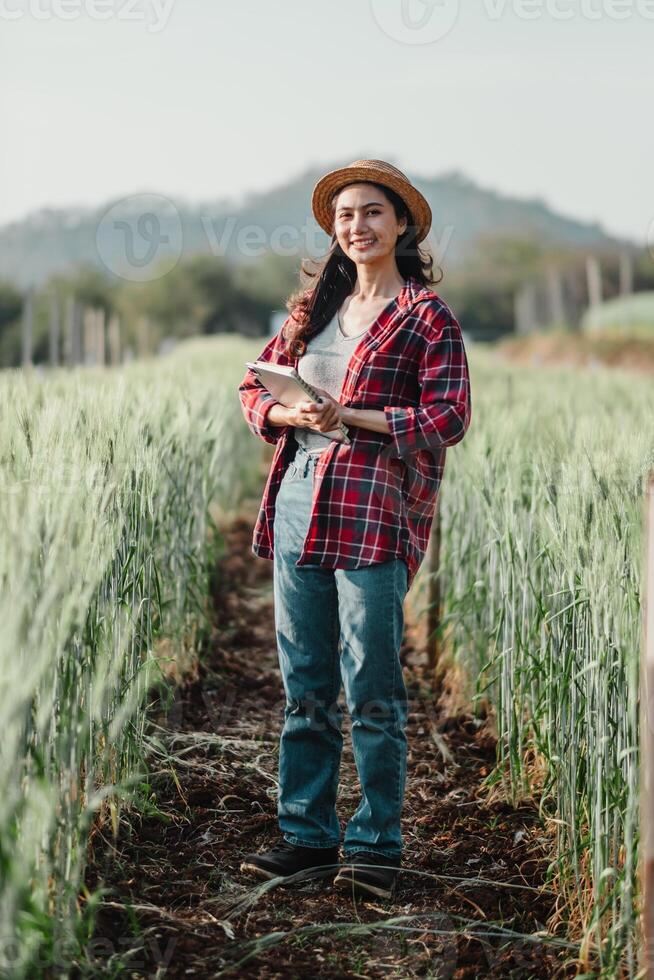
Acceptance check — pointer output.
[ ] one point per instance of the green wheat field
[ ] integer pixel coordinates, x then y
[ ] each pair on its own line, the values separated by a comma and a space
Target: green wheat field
111, 480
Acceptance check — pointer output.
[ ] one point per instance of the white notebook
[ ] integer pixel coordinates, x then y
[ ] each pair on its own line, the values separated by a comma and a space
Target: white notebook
286, 385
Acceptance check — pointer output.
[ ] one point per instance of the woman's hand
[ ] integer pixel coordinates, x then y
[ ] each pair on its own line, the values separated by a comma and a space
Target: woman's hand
321, 416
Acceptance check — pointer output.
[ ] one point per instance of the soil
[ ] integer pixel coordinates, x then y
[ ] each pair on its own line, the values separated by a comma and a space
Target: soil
471, 897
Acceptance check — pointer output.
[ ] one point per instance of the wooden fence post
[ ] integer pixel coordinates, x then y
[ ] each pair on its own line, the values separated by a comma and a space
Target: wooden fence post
114, 340
27, 327
626, 270
143, 336
90, 347
69, 330
434, 591
555, 298
78, 327
593, 280
100, 341
55, 329
524, 309
647, 741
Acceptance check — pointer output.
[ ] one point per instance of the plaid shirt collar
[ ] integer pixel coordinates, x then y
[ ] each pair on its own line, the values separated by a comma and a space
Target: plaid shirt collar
411, 293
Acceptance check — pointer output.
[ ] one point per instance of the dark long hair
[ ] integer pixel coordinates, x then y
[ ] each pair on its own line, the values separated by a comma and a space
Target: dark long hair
313, 308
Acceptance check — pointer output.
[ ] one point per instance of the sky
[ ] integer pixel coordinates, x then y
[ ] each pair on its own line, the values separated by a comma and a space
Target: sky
211, 99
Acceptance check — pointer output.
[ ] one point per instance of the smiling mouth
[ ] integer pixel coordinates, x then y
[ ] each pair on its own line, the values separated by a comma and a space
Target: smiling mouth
363, 243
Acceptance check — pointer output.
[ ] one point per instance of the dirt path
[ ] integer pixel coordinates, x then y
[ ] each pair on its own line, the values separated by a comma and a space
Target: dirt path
178, 905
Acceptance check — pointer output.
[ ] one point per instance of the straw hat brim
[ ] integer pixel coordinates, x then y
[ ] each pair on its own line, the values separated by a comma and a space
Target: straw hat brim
379, 172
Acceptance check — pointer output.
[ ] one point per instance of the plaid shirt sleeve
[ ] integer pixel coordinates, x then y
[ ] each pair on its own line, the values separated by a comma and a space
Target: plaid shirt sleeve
443, 414
256, 400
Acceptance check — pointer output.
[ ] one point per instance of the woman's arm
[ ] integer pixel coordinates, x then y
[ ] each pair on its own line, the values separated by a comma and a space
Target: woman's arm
257, 403
443, 413
279, 415
367, 418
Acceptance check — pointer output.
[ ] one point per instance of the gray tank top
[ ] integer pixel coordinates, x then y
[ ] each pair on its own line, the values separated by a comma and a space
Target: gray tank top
324, 364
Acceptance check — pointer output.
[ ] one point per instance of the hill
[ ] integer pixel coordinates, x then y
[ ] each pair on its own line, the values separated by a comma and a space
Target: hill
54, 240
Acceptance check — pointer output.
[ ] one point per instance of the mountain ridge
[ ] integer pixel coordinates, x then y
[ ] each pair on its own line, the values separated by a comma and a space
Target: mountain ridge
53, 240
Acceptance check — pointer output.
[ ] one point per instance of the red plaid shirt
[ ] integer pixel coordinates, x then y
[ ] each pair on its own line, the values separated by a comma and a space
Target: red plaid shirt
374, 500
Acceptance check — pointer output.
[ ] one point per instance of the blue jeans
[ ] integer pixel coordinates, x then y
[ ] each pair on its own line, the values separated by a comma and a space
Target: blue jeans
333, 626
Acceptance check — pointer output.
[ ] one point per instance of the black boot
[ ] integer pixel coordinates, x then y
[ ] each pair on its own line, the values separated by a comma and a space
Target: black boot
287, 859
369, 882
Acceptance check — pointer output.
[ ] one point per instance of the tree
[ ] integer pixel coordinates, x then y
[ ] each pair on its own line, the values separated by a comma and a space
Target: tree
11, 308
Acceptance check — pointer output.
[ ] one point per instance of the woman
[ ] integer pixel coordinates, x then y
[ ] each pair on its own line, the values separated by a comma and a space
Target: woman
347, 526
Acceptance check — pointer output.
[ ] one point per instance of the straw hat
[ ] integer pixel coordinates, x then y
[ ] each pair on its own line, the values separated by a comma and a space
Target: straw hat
381, 173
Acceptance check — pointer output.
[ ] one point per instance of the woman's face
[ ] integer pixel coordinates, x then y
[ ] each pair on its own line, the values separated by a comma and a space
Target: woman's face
365, 224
